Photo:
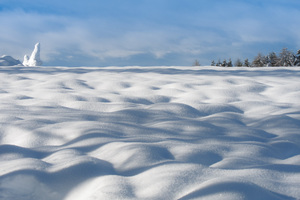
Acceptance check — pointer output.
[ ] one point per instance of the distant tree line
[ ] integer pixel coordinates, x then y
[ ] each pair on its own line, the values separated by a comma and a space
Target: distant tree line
285, 58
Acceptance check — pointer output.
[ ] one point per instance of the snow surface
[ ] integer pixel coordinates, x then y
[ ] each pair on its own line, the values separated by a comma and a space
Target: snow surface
149, 133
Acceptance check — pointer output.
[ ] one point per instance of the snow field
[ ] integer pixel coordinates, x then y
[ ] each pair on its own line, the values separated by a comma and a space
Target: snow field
149, 133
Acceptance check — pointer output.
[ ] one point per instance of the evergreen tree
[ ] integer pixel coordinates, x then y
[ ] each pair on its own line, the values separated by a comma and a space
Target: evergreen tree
213, 63
286, 58
196, 63
219, 64
272, 59
247, 63
297, 59
238, 63
267, 61
224, 63
229, 64
259, 61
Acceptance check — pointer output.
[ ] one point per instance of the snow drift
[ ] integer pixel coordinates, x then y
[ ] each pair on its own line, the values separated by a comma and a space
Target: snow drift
149, 133
8, 61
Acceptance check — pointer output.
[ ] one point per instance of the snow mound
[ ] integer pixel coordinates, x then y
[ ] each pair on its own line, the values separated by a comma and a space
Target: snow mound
34, 59
149, 133
8, 61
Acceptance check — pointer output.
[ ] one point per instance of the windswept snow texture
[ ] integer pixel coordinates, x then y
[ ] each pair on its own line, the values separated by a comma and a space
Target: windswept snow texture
149, 133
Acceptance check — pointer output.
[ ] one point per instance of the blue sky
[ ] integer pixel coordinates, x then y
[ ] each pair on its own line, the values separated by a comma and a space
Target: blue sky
147, 32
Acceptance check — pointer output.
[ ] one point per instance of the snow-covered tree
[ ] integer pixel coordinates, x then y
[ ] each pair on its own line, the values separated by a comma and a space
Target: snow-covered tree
34, 59
286, 58
259, 61
297, 59
224, 63
219, 64
238, 63
229, 64
267, 61
196, 63
213, 63
272, 59
247, 63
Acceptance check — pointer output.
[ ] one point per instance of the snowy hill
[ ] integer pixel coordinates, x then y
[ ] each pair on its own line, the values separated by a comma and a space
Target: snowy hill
149, 133
8, 61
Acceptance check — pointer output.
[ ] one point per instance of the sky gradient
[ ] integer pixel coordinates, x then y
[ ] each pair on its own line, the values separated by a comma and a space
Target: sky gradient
147, 32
